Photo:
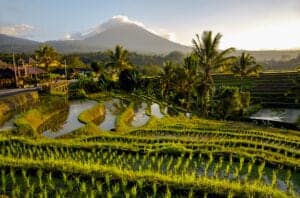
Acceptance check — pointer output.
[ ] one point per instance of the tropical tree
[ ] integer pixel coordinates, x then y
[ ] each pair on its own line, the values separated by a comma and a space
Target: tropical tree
166, 78
46, 55
192, 76
74, 61
118, 60
97, 67
128, 79
245, 66
211, 58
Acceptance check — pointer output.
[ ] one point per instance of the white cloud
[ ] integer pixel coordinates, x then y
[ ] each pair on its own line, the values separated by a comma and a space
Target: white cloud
277, 35
166, 34
21, 30
114, 22
72, 36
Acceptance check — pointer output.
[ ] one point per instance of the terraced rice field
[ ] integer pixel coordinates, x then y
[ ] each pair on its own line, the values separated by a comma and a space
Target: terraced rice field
269, 89
169, 157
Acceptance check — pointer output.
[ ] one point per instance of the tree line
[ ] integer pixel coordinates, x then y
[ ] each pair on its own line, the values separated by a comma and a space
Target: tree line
188, 84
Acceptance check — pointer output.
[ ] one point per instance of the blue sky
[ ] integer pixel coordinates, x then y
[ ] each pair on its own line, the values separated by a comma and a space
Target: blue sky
255, 24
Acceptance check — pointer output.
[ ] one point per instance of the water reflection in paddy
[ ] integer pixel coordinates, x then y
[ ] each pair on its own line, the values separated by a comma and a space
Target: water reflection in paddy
278, 115
113, 108
155, 110
71, 123
140, 117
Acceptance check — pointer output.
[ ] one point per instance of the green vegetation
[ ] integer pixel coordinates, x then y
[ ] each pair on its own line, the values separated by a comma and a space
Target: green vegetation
188, 155
95, 114
123, 120
46, 56
32, 122
269, 89
245, 66
174, 155
12, 103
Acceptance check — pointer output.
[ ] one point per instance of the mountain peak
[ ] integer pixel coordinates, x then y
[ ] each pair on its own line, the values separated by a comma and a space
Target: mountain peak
118, 30
115, 22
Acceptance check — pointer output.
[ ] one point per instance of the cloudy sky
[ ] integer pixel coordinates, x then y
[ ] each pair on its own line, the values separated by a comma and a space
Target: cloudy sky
245, 24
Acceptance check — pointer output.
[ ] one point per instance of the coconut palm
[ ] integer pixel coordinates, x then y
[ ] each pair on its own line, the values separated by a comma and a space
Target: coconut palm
166, 78
210, 59
46, 55
245, 66
192, 75
118, 59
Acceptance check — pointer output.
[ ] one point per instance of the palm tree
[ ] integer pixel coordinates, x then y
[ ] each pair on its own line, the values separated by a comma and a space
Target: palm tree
118, 59
192, 75
166, 78
46, 55
210, 59
245, 66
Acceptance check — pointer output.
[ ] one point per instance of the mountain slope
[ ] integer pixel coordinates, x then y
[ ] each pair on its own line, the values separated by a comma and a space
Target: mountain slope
134, 38
18, 44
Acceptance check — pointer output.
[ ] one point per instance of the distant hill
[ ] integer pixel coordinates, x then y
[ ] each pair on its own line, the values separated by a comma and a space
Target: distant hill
133, 37
18, 44
275, 55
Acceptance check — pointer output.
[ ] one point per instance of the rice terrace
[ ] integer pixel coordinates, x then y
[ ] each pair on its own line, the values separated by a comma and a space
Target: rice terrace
129, 109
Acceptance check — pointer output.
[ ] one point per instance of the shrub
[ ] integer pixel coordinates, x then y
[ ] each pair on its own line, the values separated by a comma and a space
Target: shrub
128, 79
230, 103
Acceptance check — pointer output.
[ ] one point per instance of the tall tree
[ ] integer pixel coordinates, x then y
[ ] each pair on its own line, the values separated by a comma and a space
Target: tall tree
211, 58
166, 78
46, 55
245, 65
118, 59
192, 76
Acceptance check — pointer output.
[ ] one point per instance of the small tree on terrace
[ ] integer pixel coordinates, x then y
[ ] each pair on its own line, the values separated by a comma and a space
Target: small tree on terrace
118, 59
245, 66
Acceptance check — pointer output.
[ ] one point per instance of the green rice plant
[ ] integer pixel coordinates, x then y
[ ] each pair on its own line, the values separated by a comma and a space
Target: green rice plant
168, 193
57, 194
140, 183
3, 181
92, 194
116, 189
16, 191
154, 188
274, 178
109, 194
93, 180
230, 194
25, 178
99, 187
40, 179
133, 191
236, 172
227, 169
249, 169
261, 170
127, 195
50, 182
191, 193
288, 177
13, 176
242, 159
44, 193
107, 179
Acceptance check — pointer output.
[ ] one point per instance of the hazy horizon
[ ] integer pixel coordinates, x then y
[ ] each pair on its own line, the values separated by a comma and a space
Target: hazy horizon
255, 25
